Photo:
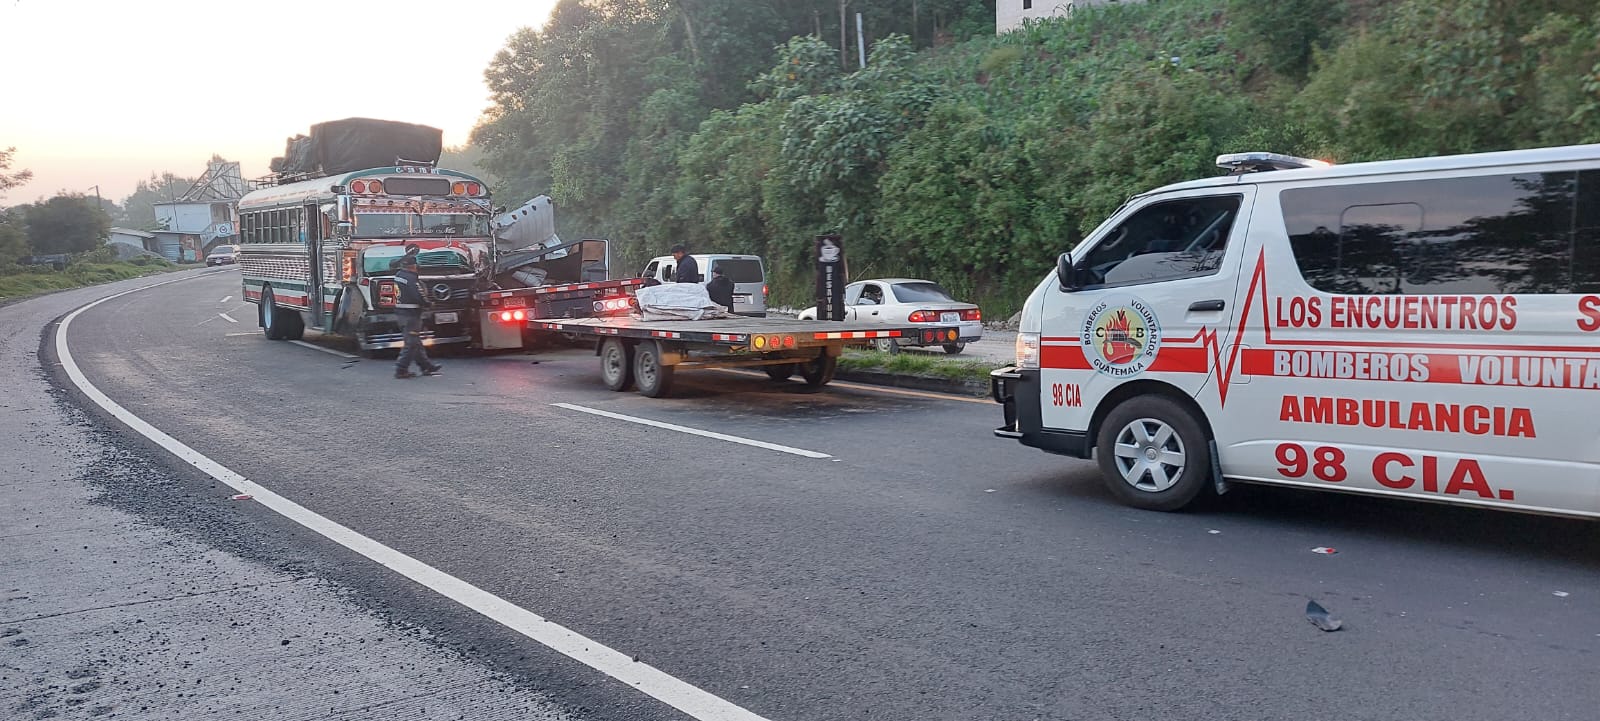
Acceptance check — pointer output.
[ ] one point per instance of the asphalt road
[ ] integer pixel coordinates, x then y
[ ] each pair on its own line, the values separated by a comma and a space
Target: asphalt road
923, 570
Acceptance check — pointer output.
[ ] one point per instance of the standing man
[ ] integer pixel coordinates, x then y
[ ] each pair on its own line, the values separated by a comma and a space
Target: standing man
720, 288
688, 270
408, 308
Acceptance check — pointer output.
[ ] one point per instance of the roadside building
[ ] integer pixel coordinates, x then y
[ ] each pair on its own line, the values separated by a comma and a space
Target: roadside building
135, 239
181, 247
209, 211
1011, 14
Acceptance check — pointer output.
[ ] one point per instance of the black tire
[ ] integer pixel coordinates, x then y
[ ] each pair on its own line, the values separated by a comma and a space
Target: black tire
269, 316
653, 379
887, 345
780, 372
1166, 459
819, 372
954, 348
616, 364
294, 325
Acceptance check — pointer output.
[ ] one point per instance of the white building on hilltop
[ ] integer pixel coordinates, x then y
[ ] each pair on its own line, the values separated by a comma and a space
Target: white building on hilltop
1010, 14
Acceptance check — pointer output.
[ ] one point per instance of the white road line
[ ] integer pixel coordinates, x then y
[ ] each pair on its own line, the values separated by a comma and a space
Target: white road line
674, 692
237, 335
225, 299
314, 346
227, 317
693, 431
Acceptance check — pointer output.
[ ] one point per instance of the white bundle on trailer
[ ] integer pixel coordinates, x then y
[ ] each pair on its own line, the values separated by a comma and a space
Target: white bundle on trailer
678, 301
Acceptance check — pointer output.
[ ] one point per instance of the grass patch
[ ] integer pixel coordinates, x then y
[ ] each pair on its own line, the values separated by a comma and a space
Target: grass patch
916, 364
35, 281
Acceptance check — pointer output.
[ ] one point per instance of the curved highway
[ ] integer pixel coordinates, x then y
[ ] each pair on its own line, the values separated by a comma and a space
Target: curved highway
874, 555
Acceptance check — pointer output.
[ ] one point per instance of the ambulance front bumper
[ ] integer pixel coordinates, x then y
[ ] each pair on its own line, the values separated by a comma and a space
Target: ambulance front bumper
1019, 393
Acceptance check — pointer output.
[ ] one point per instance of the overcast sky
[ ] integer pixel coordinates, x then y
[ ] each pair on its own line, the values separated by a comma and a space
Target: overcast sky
102, 92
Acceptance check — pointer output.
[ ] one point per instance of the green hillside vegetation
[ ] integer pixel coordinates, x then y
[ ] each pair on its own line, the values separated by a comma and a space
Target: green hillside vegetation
973, 159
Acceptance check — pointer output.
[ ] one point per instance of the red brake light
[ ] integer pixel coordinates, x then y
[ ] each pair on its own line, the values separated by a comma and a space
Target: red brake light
973, 314
358, 187
374, 186
519, 315
923, 316
763, 290
474, 189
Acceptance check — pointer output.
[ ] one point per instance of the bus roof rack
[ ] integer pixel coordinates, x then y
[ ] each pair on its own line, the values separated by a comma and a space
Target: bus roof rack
1237, 163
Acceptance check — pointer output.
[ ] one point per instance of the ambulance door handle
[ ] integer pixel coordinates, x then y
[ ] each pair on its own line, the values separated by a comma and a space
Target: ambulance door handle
1205, 305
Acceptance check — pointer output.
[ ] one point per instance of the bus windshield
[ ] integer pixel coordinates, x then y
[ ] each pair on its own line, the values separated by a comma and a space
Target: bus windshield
418, 225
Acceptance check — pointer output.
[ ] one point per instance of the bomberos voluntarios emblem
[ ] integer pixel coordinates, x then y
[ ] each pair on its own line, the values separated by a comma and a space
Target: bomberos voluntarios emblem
1121, 336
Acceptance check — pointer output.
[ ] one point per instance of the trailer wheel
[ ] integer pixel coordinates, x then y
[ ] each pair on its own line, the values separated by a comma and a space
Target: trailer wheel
819, 372
653, 378
887, 345
1153, 453
780, 372
616, 364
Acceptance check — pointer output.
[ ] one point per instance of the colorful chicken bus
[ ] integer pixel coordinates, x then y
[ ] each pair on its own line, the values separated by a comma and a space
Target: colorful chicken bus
320, 253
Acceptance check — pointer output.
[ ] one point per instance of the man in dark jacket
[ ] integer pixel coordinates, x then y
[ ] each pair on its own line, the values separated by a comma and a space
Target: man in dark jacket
720, 289
688, 270
408, 308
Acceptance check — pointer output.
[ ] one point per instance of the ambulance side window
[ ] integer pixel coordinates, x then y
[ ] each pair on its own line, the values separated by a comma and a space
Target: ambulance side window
1489, 234
1164, 241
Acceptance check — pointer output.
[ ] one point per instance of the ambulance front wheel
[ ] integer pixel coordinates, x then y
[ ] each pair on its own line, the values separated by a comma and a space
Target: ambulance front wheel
1153, 453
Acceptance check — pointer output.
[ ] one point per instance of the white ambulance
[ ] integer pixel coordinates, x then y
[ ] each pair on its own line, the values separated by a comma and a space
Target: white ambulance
1425, 329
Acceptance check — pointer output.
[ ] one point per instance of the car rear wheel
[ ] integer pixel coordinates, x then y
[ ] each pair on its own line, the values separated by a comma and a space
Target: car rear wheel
616, 364
954, 348
1153, 453
652, 376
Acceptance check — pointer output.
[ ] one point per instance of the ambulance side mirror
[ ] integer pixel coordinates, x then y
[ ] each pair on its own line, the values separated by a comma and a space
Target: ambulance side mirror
1066, 273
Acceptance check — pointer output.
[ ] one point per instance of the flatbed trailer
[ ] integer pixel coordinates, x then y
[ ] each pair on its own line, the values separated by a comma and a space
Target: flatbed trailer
646, 355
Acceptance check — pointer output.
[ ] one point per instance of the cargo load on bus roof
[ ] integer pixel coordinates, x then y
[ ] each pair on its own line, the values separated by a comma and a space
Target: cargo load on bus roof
341, 146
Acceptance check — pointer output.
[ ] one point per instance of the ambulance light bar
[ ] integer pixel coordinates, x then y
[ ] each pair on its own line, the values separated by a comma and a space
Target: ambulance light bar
1238, 163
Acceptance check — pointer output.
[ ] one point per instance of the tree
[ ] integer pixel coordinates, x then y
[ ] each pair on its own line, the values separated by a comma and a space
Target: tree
13, 237
66, 224
9, 181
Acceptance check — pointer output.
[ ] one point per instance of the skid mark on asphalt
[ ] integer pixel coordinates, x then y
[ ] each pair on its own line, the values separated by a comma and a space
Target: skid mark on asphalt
694, 431
668, 689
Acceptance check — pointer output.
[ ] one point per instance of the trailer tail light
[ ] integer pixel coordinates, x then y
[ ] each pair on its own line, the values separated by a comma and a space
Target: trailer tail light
974, 314
940, 336
613, 305
924, 316
388, 294
509, 316
788, 341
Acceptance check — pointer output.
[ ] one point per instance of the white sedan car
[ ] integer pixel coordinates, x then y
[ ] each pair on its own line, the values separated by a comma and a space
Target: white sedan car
907, 300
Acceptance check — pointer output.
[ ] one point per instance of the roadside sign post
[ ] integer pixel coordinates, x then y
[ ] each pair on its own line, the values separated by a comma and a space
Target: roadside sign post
831, 277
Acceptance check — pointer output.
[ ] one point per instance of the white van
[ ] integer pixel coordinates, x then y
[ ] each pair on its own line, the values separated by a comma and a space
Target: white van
748, 273
1424, 329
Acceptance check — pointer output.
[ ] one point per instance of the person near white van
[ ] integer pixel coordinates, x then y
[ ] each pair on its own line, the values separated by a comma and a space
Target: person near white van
747, 272
1422, 329
688, 269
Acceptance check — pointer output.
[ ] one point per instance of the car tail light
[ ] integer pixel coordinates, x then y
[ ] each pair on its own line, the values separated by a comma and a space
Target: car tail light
388, 294
973, 314
924, 316
764, 291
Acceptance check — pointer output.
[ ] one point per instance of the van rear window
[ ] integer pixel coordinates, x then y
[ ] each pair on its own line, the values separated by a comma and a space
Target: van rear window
740, 270
1512, 233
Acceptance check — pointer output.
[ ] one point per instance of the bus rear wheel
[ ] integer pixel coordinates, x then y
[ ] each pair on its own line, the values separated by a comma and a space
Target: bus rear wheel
277, 323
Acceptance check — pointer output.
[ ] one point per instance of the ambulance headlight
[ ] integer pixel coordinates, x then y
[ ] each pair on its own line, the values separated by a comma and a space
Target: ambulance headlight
1027, 351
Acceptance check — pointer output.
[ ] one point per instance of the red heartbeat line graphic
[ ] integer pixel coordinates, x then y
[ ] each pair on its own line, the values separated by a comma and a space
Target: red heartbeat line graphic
1208, 336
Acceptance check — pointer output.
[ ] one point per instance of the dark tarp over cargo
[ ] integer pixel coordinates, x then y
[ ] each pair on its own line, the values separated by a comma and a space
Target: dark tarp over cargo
340, 146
